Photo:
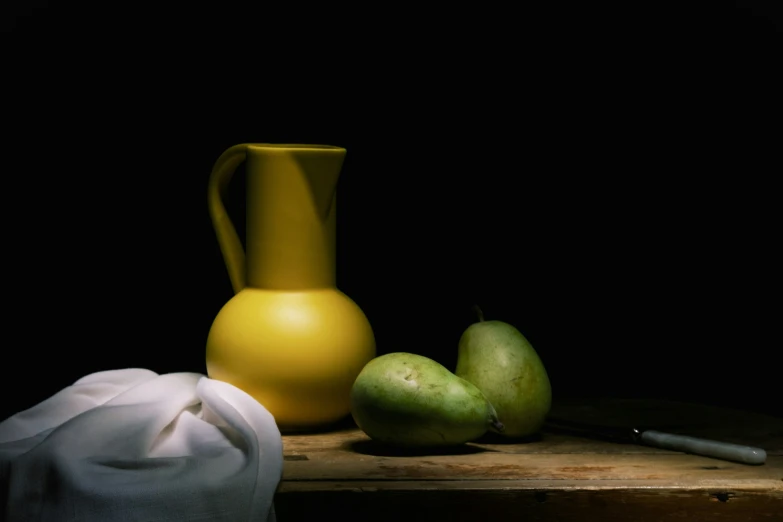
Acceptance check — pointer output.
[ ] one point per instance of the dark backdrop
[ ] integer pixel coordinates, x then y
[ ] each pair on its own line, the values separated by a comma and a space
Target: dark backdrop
602, 178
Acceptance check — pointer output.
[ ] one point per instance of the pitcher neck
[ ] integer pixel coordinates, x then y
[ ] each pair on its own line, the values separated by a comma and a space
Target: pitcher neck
291, 207
278, 259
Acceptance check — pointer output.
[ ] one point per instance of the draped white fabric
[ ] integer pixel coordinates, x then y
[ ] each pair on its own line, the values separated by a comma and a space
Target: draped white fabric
132, 445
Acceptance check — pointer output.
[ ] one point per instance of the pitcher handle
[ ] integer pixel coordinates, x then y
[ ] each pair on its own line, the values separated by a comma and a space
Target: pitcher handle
230, 245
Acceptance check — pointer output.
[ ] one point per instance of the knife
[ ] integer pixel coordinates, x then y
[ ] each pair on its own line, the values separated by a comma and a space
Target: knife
659, 439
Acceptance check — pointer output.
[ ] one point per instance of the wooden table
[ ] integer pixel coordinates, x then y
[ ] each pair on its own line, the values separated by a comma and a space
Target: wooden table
342, 475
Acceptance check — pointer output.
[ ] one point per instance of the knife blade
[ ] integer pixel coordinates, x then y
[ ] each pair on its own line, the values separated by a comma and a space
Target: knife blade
659, 439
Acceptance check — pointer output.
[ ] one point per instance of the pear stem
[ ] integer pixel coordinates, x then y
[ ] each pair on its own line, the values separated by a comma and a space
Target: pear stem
479, 313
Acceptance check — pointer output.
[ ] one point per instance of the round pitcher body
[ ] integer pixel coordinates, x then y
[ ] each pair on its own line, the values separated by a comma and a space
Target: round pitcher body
298, 353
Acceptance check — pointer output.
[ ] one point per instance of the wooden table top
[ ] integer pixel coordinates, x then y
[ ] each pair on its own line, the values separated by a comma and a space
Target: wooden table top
556, 477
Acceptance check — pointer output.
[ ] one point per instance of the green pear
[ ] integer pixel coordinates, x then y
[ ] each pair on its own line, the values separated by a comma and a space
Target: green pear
408, 400
500, 361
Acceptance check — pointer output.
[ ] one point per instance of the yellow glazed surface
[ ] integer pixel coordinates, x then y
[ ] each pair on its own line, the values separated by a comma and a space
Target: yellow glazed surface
288, 337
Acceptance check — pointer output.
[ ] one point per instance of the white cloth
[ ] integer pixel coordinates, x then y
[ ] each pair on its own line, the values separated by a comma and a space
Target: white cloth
132, 445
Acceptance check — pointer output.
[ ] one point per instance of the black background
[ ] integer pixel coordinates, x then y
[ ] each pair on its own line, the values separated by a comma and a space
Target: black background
600, 177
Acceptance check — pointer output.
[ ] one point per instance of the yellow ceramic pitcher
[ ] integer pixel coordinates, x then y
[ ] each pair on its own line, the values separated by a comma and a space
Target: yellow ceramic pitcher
288, 337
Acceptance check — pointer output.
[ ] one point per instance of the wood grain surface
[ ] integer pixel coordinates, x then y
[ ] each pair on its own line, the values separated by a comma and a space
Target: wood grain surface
552, 477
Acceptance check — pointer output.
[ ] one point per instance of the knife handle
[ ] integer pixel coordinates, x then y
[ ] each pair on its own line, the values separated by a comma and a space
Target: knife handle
704, 447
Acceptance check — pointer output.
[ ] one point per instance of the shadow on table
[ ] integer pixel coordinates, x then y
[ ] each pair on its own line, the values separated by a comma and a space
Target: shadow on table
494, 438
378, 449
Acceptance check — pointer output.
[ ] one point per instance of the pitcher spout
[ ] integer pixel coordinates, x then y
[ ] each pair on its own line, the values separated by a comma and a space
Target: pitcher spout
322, 168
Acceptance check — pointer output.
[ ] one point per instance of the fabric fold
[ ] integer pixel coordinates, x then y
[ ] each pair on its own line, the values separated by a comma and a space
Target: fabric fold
135, 445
